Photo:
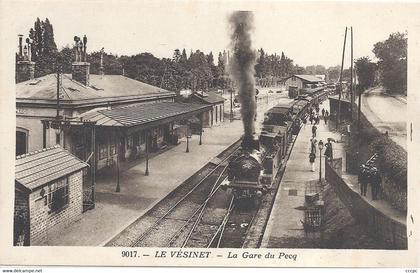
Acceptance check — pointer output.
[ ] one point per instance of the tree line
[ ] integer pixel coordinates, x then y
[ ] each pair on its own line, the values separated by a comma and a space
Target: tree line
200, 71
390, 70
195, 70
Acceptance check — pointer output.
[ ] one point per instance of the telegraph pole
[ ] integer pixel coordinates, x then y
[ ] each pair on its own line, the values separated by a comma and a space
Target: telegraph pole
341, 77
351, 74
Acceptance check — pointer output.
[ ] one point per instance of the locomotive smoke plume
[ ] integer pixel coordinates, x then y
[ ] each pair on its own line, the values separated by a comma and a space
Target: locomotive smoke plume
242, 67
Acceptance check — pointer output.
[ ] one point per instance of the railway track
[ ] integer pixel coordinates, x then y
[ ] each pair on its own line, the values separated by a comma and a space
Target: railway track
171, 220
200, 215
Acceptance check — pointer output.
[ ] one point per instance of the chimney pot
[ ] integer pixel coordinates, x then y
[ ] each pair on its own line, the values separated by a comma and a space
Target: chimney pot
80, 68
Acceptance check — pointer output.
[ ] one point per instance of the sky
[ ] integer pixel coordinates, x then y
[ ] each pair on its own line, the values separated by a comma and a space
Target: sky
309, 33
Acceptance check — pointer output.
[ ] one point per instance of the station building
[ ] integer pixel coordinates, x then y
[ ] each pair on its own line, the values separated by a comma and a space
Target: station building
302, 84
101, 119
215, 116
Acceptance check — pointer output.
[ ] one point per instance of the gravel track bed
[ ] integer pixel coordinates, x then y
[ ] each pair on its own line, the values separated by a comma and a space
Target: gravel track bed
237, 227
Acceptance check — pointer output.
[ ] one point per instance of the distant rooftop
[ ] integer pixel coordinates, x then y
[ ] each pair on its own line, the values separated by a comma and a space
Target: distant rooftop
209, 97
102, 88
309, 78
38, 168
144, 114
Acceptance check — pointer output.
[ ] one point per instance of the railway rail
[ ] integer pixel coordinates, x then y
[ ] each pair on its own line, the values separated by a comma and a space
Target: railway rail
172, 219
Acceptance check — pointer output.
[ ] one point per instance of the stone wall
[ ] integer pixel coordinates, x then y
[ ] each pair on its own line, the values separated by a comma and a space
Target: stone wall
42, 221
392, 232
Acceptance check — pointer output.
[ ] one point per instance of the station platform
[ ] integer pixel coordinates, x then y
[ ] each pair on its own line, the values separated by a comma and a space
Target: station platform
284, 227
285, 221
114, 211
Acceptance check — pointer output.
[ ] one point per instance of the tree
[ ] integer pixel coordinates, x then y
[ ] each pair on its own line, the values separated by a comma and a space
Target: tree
44, 49
333, 73
365, 71
392, 64
298, 70
66, 57
111, 63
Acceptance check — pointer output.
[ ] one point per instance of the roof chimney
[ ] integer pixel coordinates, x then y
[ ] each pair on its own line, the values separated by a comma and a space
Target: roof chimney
25, 68
80, 68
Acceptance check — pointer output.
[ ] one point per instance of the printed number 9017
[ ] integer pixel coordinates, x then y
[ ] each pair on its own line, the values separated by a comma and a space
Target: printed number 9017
129, 254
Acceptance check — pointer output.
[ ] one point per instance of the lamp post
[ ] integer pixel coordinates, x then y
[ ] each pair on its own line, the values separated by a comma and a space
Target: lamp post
231, 105
118, 189
188, 149
320, 146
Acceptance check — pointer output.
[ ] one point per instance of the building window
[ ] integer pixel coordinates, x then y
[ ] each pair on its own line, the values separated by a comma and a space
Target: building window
21, 142
103, 152
58, 194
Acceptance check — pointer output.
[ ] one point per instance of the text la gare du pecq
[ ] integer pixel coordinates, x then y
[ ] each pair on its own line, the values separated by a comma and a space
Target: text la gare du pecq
230, 255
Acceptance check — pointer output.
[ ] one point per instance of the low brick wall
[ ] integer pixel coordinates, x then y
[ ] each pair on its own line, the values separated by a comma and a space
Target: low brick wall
380, 225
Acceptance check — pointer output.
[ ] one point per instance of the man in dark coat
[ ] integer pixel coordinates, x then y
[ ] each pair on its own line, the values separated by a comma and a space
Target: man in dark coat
376, 183
363, 180
328, 151
314, 131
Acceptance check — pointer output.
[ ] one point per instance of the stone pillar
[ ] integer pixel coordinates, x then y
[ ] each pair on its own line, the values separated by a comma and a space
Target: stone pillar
80, 72
25, 70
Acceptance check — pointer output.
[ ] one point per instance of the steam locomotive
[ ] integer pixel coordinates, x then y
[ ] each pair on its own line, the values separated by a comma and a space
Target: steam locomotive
254, 167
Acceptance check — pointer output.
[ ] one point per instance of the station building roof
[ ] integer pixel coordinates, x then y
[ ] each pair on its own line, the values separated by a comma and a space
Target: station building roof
38, 168
101, 88
145, 114
306, 78
209, 97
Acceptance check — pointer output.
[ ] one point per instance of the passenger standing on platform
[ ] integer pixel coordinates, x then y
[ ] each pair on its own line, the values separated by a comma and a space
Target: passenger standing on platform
313, 146
312, 161
314, 131
317, 119
329, 150
323, 112
376, 183
362, 180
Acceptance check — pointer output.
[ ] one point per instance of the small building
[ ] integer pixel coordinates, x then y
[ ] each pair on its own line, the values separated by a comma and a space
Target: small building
48, 193
343, 104
215, 116
301, 84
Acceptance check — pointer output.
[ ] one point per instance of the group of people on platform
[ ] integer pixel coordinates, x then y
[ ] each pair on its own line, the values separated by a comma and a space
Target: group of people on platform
369, 174
314, 118
312, 152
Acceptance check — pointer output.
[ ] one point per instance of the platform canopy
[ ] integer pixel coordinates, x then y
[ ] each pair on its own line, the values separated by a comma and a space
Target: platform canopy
145, 115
